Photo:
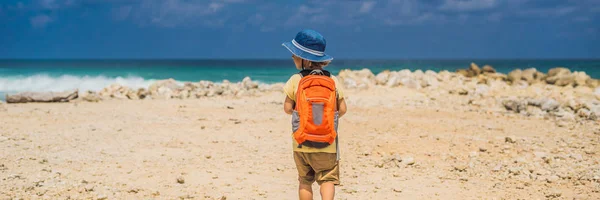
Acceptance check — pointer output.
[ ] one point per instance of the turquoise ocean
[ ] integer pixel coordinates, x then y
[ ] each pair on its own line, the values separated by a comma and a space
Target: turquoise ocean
60, 75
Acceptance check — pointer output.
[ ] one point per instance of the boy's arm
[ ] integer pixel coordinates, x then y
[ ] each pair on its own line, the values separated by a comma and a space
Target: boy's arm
342, 107
288, 105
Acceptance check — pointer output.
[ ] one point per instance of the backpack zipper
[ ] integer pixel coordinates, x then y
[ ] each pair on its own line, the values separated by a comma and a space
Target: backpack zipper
324, 136
316, 98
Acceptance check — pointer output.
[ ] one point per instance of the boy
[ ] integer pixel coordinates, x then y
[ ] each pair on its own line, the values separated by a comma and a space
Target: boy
316, 101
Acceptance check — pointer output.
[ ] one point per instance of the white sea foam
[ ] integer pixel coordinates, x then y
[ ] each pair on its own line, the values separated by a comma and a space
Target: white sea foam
44, 82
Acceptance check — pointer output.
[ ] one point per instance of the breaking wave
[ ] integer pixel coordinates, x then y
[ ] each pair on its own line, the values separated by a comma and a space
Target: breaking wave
44, 83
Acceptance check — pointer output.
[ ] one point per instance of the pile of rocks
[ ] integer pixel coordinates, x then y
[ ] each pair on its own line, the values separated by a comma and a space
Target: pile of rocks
560, 93
566, 111
474, 70
364, 79
560, 76
171, 89
557, 76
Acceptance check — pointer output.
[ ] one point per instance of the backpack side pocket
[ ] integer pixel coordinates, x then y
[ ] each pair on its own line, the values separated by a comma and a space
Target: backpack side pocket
295, 121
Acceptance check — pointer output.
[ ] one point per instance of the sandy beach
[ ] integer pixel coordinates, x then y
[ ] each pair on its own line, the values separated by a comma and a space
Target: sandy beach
396, 143
188, 99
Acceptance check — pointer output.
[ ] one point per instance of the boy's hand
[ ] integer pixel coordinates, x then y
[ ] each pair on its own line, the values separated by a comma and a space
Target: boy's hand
288, 105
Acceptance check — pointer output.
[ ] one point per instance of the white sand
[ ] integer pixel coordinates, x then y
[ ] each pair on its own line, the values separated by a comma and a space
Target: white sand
123, 149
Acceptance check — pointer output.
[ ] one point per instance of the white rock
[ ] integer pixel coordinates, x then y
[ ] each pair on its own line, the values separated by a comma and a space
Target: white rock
382, 78
184, 94
404, 73
418, 73
498, 85
90, 96
430, 81
552, 179
553, 194
227, 93
200, 93
594, 112
248, 84
535, 112
132, 94
367, 81
580, 78
445, 75
393, 81
163, 93
521, 84
411, 83
205, 84
549, 104
365, 73
515, 171
118, 95
240, 93
350, 83
564, 115
585, 114
89, 188
276, 87
362, 86
515, 105
191, 86
408, 161
482, 90
169, 83
431, 73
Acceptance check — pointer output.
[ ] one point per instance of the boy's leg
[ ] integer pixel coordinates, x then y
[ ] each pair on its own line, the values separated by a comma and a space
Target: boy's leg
327, 173
306, 176
305, 192
327, 191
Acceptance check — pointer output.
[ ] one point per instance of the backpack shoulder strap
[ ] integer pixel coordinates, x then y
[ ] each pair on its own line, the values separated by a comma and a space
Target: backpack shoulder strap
307, 72
304, 73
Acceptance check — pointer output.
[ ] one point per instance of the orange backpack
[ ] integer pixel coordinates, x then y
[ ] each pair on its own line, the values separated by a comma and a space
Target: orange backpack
315, 117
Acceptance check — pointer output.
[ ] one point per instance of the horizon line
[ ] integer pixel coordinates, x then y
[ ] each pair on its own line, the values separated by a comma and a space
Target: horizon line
342, 59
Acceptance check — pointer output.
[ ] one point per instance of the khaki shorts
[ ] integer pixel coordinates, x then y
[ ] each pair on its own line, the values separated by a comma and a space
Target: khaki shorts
320, 167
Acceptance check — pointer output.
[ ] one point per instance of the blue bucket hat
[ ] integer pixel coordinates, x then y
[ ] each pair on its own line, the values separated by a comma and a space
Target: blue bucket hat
308, 45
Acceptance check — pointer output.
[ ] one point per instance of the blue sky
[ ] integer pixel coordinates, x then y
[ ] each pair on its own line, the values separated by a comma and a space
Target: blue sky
224, 29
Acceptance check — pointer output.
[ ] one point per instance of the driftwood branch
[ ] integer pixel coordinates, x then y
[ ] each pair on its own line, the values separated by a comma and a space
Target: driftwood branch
25, 97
